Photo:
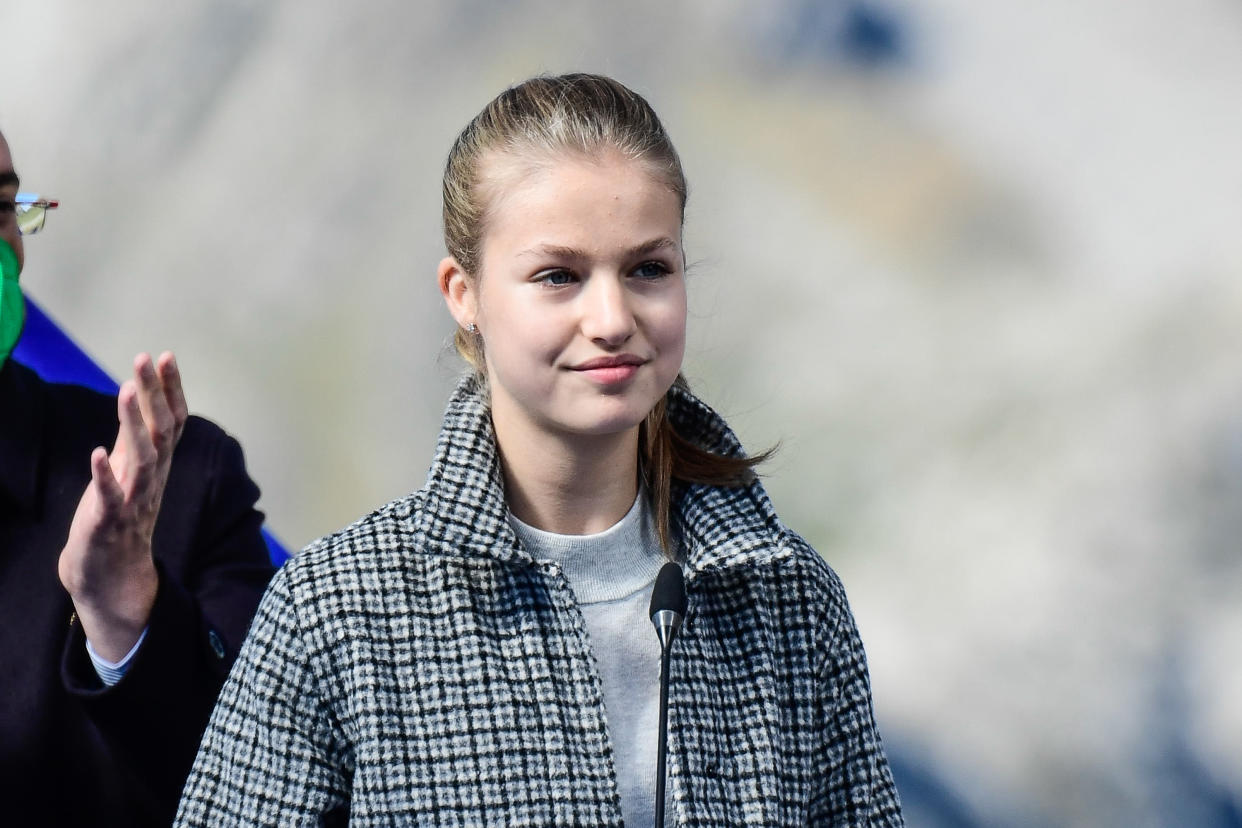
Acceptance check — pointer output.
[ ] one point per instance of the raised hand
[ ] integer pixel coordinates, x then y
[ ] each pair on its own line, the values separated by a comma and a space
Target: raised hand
106, 564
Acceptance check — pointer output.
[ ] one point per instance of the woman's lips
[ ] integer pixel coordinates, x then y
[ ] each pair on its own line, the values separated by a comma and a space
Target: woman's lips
610, 370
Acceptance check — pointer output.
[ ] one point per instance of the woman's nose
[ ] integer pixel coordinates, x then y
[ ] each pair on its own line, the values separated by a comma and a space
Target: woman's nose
608, 317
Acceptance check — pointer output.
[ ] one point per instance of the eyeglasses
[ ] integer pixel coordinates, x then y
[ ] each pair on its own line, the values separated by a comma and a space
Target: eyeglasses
31, 212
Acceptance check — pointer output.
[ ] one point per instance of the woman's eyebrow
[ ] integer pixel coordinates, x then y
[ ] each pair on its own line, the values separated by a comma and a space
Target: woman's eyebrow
553, 250
564, 252
655, 245
8, 177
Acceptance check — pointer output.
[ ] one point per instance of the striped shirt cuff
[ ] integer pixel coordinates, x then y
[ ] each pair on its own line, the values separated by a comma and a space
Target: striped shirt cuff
111, 672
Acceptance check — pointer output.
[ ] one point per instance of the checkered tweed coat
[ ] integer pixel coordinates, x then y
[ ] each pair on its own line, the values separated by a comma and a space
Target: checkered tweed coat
420, 668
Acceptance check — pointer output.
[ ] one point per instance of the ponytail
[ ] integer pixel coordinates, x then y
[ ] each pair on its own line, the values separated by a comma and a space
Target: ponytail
664, 455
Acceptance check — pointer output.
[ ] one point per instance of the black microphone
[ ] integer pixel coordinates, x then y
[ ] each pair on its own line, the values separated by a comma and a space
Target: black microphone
668, 608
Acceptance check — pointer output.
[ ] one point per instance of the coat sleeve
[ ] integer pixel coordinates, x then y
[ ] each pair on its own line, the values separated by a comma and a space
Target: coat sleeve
272, 753
213, 567
856, 784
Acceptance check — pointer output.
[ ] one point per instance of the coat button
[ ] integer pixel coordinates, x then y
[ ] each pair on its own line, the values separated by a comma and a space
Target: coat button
712, 770
217, 646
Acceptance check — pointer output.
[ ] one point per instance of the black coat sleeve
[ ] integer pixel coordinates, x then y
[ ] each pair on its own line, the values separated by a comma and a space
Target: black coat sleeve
213, 567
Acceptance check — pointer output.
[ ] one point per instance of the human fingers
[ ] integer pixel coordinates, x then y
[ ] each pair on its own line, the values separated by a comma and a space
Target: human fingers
97, 520
134, 445
170, 377
107, 489
153, 405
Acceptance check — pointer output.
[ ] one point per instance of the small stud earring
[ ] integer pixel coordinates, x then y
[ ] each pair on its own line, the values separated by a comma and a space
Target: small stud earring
472, 328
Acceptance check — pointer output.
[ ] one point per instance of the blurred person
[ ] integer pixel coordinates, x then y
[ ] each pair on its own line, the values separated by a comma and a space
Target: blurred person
131, 563
479, 652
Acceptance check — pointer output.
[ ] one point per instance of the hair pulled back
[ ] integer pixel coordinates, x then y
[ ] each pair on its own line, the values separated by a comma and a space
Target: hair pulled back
544, 119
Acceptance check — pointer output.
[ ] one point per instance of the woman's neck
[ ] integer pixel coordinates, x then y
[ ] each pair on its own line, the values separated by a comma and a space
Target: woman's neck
571, 485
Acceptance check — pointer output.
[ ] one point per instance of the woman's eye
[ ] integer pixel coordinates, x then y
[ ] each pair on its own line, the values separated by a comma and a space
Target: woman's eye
556, 278
651, 270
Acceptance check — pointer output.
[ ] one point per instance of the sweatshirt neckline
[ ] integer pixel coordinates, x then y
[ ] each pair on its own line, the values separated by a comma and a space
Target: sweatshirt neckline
604, 566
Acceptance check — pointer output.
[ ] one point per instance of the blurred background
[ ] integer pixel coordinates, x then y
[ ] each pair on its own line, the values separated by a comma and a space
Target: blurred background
976, 266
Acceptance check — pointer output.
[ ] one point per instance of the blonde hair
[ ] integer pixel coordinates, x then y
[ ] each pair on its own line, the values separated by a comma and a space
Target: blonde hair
546, 118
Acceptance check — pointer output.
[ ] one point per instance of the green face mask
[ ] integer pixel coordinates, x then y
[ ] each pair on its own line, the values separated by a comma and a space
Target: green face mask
12, 306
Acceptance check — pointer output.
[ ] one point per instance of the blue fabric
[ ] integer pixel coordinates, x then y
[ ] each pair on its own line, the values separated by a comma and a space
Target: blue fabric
55, 357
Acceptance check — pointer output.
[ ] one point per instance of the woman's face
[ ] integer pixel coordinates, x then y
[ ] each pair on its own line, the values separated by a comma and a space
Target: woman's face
581, 296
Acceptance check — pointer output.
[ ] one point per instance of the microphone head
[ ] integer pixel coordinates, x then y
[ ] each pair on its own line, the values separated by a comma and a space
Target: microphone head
669, 592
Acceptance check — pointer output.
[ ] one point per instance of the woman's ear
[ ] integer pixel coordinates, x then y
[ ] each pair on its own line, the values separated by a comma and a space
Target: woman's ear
459, 294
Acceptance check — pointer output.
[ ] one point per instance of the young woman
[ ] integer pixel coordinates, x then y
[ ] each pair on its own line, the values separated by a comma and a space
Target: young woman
479, 652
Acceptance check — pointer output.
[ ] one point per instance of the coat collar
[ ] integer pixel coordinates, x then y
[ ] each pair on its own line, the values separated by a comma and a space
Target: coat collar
462, 509
719, 527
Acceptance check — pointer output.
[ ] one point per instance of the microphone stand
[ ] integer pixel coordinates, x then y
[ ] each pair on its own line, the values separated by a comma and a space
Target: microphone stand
662, 751
668, 608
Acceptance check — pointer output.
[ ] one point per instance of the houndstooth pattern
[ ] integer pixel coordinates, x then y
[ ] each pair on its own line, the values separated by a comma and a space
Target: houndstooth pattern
419, 668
